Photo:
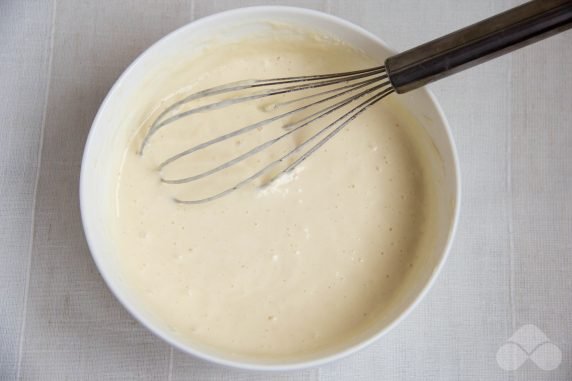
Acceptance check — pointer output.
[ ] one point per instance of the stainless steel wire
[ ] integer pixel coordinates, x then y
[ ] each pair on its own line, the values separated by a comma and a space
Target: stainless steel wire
362, 88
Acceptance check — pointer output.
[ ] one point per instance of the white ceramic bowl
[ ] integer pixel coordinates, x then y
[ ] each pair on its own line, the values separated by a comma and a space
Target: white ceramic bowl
107, 137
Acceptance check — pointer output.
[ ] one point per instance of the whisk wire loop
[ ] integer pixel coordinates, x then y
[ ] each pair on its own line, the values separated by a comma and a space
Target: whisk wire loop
348, 87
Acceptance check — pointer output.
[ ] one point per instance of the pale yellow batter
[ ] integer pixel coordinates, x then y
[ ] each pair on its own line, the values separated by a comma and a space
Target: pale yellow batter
283, 269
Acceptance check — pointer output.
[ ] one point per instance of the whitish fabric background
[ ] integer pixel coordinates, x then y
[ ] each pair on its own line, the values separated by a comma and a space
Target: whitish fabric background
511, 262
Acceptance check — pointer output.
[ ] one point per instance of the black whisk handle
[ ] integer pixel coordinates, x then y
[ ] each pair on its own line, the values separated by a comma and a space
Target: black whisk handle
478, 43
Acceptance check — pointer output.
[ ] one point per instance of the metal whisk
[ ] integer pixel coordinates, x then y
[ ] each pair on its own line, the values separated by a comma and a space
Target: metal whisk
344, 96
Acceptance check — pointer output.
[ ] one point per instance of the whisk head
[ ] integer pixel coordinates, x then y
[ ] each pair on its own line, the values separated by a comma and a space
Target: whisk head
315, 108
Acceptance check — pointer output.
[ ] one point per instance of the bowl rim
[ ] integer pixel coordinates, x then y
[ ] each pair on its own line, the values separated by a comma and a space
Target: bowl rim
242, 364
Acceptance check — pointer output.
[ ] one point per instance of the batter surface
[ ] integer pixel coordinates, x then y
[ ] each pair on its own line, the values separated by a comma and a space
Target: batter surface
274, 270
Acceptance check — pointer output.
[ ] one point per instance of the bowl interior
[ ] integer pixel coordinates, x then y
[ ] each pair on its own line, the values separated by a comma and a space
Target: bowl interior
109, 134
